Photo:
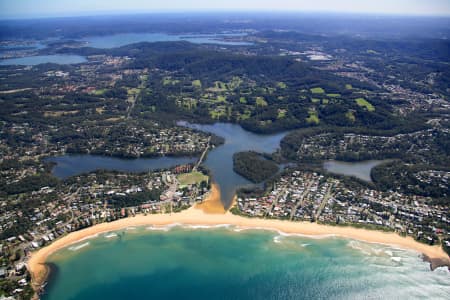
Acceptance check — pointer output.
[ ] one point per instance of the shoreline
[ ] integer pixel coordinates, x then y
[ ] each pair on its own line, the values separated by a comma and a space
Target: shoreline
199, 216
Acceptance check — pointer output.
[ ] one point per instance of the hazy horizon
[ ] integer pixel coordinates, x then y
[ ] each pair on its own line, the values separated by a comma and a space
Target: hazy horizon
27, 9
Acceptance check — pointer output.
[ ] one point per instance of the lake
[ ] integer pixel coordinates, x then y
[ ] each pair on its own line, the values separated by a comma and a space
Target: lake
43, 59
119, 40
219, 160
359, 170
70, 165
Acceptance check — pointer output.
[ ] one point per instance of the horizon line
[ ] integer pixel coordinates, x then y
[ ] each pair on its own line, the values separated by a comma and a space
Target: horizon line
214, 11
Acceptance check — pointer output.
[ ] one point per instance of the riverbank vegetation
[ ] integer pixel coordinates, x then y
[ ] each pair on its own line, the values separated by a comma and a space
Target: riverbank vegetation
253, 166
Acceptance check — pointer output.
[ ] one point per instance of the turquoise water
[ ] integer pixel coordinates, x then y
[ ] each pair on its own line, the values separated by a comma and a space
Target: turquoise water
220, 263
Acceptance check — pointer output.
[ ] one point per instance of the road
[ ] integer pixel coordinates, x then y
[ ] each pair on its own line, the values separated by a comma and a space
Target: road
300, 202
324, 201
202, 156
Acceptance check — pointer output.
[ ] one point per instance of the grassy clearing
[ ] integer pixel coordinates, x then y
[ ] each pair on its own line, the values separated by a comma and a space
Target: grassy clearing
281, 113
315, 100
197, 83
364, 103
133, 91
99, 92
350, 116
169, 80
235, 82
192, 178
317, 90
243, 100
189, 103
333, 95
221, 98
313, 117
246, 115
218, 112
281, 85
325, 101
348, 86
260, 101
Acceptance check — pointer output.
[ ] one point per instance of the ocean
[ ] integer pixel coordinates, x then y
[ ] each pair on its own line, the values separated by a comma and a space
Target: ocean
178, 262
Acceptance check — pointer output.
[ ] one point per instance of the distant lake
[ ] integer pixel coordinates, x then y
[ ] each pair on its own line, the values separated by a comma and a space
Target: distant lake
118, 40
71, 165
359, 170
62, 59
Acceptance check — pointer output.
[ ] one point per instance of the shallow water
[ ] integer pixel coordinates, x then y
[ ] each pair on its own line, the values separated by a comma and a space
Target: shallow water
118, 40
221, 263
70, 165
220, 160
359, 170
42, 59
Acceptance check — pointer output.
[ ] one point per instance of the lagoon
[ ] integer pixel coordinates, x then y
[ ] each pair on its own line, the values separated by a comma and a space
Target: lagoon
119, 40
43, 59
220, 160
361, 170
70, 165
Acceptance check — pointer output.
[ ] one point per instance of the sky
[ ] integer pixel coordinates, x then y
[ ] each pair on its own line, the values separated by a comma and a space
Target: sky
52, 8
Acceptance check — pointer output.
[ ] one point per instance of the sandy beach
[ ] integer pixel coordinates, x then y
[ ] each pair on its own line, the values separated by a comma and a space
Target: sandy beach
201, 216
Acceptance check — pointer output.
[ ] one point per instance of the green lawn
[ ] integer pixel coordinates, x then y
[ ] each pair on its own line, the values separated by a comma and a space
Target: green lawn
220, 85
315, 100
168, 80
281, 113
221, 98
260, 101
348, 86
317, 90
192, 178
99, 92
281, 85
313, 117
364, 103
133, 91
350, 116
243, 100
333, 95
197, 83
246, 115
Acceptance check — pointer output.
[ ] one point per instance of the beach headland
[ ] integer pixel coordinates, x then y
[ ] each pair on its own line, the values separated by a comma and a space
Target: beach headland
208, 214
